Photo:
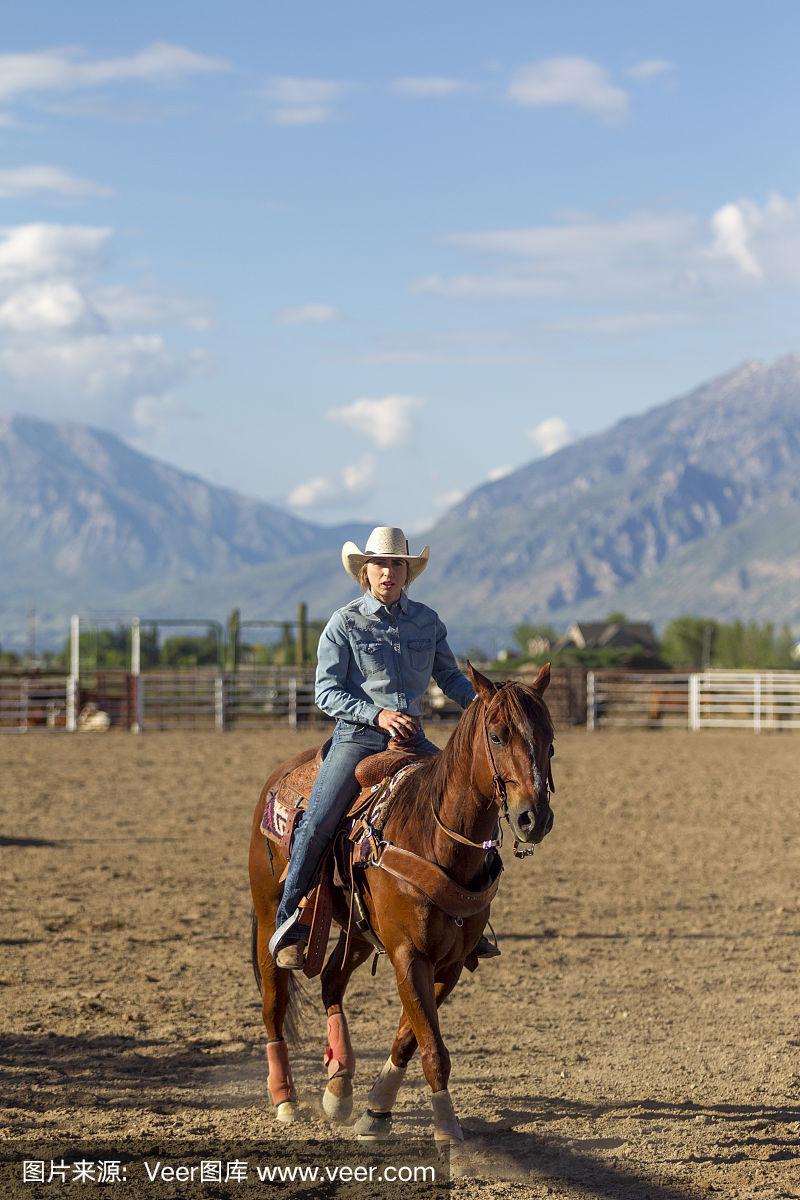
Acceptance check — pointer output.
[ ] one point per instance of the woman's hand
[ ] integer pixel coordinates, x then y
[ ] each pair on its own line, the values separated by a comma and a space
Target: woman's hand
398, 725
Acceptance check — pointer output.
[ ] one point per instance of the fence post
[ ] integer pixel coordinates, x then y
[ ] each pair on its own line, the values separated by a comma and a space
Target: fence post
293, 702
694, 703
23, 703
136, 675
756, 703
591, 701
73, 680
219, 703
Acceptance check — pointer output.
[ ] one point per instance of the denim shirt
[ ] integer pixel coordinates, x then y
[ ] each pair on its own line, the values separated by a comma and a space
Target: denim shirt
371, 658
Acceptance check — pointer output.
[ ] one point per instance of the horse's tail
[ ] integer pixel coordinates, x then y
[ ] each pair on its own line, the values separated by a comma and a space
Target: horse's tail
254, 947
297, 1000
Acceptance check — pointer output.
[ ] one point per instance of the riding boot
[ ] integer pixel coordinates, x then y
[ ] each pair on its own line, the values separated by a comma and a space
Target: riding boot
486, 948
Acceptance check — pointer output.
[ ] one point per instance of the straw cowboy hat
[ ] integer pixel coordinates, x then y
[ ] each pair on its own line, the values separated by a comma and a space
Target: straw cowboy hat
384, 542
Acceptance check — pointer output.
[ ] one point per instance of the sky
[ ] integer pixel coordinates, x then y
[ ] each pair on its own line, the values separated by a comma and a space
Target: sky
357, 259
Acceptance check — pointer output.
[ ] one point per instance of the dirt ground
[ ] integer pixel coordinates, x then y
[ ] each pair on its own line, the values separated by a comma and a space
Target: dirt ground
639, 1037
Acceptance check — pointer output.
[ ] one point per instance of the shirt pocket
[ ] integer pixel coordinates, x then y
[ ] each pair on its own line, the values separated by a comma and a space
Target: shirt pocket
369, 655
420, 653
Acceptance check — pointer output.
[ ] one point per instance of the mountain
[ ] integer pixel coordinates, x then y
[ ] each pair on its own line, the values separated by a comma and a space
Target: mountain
85, 519
693, 506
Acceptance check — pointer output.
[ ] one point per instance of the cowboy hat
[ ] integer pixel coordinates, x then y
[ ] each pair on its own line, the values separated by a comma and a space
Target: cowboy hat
384, 542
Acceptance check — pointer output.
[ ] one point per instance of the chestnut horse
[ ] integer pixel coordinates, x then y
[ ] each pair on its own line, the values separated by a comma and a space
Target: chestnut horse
447, 811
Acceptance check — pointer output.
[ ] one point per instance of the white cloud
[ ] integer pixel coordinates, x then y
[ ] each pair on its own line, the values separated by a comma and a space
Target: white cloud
425, 87
353, 480
448, 499
572, 81
63, 348
32, 251
151, 413
298, 101
27, 181
618, 324
55, 304
551, 434
68, 69
499, 473
649, 68
732, 230
123, 307
628, 260
387, 420
307, 314
108, 374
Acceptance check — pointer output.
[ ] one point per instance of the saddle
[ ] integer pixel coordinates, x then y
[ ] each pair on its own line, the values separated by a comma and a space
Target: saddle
358, 845
285, 802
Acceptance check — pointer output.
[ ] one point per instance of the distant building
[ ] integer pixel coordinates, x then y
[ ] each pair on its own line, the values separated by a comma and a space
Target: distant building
597, 635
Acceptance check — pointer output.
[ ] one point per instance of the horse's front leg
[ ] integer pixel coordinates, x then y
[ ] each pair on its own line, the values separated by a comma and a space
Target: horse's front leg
340, 1059
375, 1124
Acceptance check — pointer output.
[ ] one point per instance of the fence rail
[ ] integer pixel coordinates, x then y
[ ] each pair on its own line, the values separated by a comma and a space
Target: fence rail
209, 699
757, 700
248, 698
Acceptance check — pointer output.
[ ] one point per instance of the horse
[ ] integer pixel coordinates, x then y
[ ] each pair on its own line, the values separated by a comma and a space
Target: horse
446, 811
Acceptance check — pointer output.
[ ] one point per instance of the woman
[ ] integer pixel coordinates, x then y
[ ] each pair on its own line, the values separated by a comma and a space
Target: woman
375, 660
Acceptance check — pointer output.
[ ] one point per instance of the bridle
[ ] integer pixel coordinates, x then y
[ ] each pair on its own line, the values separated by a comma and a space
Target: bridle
499, 790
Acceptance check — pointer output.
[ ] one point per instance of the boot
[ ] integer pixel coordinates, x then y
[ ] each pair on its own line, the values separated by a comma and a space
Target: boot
487, 949
291, 957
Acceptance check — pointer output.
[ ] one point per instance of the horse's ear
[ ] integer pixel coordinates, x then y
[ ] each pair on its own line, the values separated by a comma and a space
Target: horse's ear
483, 686
542, 679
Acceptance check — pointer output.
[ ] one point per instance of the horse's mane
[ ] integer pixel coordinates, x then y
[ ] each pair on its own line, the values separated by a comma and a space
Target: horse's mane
518, 704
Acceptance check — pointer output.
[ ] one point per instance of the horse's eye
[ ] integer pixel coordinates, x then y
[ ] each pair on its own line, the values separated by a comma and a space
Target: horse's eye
552, 751
495, 737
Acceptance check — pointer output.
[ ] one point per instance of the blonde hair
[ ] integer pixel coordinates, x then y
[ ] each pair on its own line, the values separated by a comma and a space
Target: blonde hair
363, 581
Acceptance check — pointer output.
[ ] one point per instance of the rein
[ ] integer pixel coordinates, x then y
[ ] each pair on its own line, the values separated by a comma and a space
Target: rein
492, 844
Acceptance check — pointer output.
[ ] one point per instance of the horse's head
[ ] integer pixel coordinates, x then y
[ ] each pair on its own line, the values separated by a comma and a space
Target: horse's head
513, 752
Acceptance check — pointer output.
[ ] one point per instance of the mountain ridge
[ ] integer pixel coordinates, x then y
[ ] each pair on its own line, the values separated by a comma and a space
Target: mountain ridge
693, 505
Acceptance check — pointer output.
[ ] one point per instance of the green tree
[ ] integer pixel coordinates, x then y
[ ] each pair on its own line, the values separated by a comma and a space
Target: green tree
689, 642
184, 650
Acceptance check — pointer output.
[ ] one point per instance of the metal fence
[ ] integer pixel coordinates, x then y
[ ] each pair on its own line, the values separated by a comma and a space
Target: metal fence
757, 700
28, 701
210, 699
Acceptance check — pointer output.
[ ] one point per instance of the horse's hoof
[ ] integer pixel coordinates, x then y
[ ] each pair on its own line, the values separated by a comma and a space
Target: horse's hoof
374, 1127
337, 1108
287, 1112
448, 1135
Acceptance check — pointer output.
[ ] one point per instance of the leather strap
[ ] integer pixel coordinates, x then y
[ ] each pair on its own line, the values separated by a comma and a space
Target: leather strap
320, 926
436, 884
491, 844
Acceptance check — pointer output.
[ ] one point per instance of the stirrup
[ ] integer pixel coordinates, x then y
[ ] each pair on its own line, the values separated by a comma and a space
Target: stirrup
280, 933
486, 948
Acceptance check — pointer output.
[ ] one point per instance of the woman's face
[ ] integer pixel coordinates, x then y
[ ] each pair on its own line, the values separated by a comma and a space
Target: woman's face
387, 578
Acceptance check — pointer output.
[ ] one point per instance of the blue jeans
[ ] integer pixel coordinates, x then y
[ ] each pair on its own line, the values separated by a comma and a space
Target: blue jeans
334, 790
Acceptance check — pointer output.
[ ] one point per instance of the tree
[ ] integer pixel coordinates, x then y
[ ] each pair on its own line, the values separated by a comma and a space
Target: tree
689, 642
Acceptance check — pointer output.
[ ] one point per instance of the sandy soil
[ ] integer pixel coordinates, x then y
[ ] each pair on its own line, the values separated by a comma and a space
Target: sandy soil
638, 1038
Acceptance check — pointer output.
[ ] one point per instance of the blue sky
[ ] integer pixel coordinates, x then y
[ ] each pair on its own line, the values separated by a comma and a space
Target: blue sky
355, 259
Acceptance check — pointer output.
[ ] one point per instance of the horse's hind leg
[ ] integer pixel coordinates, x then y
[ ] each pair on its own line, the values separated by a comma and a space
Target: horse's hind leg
376, 1123
340, 1059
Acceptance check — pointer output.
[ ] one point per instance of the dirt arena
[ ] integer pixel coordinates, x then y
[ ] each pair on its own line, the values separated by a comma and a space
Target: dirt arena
639, 1037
